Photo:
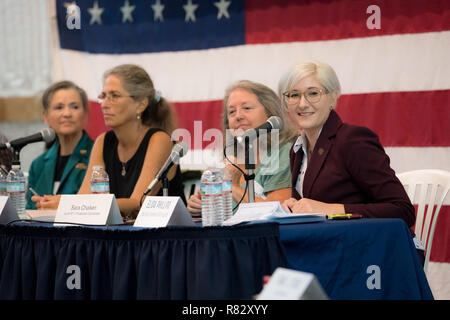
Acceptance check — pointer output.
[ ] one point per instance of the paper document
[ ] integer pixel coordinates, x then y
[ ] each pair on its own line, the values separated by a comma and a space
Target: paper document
271, 211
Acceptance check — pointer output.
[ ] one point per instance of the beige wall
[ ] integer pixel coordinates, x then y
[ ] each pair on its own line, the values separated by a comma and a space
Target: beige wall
20, 109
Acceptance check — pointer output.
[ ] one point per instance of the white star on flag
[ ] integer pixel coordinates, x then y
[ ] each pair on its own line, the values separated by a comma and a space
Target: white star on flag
190, 8
223, 9
158, 11
126, 12
96, 14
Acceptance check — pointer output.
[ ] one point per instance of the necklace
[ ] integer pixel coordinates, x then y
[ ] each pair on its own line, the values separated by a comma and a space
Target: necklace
124, 171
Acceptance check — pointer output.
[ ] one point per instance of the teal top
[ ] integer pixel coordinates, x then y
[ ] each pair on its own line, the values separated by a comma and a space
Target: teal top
273, 172
42, 170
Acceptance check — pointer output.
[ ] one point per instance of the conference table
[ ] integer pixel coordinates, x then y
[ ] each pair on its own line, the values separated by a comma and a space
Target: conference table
354, 259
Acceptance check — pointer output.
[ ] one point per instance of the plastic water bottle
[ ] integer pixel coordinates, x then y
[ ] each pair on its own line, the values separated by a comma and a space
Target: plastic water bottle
16, 189
227, 194
212, 202
99, 180
3, 181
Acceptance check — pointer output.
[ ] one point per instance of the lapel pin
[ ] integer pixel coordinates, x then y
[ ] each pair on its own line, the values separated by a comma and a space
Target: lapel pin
81, 165
320, 151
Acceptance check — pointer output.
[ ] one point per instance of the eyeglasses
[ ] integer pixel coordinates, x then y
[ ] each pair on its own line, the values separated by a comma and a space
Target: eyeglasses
312, 95
112, 97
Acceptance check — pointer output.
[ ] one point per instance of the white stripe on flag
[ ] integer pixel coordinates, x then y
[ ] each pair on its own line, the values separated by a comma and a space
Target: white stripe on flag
405, 62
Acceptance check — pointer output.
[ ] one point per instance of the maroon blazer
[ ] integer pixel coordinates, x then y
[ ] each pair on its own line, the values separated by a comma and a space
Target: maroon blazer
349, 166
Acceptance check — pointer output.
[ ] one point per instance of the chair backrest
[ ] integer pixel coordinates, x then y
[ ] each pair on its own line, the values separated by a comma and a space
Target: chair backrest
427, 188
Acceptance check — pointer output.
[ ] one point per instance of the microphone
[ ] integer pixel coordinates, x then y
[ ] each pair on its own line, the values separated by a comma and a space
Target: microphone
273, 122
178, 151
47, 135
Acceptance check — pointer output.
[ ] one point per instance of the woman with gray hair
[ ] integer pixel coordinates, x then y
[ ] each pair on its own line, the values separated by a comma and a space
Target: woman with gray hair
247, 105
61, 169
138, 144
336, 167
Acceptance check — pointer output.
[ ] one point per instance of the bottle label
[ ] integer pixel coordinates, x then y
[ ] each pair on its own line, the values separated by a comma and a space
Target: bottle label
227, 186
100, 187
16, 187
211, 189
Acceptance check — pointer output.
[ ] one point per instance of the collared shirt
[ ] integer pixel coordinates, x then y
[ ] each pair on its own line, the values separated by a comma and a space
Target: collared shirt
301, 143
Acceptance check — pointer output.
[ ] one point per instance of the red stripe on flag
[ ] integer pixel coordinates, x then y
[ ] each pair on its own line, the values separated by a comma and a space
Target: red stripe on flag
405, 119
96, 124
207, 114
440, 252
270, 21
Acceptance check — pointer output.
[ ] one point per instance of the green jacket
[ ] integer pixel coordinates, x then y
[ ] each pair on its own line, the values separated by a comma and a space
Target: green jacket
42, 170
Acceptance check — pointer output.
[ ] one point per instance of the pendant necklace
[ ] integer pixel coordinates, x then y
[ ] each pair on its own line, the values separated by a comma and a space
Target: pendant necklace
124, 171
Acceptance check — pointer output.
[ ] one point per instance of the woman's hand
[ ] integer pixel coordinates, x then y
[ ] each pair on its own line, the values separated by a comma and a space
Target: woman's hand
194, 204
288, 204
46, 202
306, 205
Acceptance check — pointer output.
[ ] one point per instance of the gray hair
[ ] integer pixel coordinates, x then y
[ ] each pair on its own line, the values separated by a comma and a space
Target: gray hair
270, 101
323, 73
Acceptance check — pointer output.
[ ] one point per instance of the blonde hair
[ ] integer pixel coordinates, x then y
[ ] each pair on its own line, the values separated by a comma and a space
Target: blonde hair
136, 81
323, 73
269, 100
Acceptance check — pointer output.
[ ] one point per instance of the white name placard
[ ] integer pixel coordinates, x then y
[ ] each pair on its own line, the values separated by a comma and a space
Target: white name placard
158, 212
287, 284
93, 209
7, 211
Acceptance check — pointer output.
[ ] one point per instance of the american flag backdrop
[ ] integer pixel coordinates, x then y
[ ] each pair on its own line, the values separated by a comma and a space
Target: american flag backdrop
391, 56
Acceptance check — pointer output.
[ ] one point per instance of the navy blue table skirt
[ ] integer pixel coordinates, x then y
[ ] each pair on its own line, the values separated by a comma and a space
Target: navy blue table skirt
345, 256
124, 263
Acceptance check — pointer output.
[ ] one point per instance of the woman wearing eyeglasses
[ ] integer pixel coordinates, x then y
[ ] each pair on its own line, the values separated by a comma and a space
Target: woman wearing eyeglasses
336, 167
139, 142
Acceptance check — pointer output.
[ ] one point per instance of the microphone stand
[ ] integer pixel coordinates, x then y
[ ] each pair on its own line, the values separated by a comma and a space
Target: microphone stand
165, 183
250, 167
16, 155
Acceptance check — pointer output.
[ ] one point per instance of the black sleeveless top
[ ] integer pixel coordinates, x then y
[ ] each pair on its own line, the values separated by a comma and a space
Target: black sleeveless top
124, 176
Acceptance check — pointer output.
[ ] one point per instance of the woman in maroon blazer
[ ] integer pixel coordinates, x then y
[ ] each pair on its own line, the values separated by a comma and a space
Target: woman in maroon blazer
336, 167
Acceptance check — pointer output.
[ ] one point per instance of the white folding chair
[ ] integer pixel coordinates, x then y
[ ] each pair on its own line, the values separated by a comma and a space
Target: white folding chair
427, 188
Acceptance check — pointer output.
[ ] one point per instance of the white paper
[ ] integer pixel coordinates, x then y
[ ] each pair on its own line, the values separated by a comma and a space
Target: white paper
286, 284
261, 211
158, 212
7, 211
90, 209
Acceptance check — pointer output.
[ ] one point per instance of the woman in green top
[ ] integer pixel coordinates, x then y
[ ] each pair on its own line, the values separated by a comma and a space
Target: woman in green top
247, 105
62, 168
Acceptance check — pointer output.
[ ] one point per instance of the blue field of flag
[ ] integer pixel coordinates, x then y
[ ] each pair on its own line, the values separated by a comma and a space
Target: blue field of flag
138, 26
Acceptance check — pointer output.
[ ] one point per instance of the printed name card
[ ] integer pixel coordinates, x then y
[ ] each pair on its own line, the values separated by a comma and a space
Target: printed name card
286, 284
157, 212
7, 211
93, 209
